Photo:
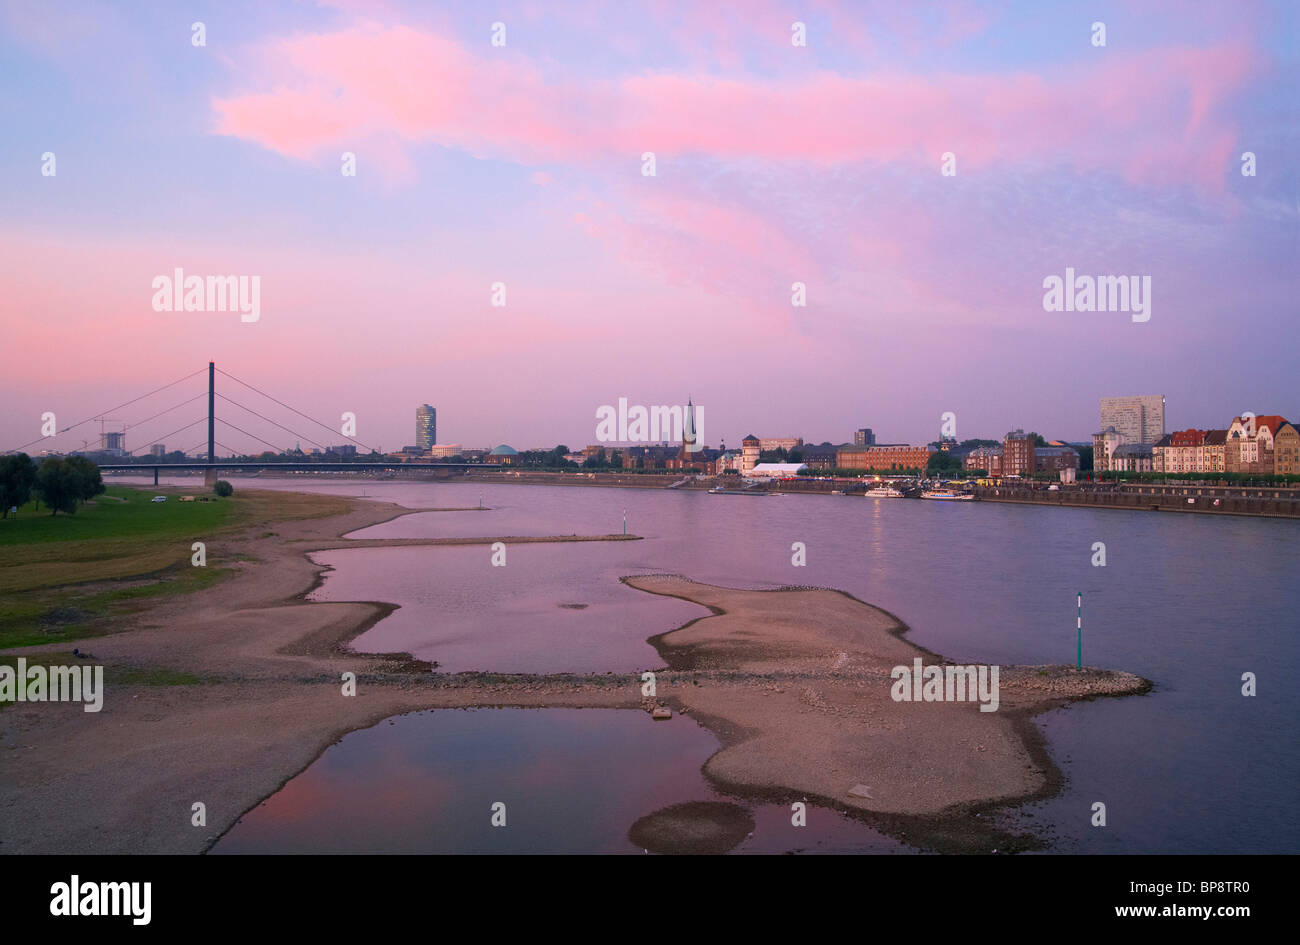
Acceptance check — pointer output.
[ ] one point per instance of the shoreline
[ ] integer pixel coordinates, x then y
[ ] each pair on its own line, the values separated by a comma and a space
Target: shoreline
1248, 502
270, 653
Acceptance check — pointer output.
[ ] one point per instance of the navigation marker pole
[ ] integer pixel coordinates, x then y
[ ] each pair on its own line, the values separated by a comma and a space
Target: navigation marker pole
1078, 656
625, 521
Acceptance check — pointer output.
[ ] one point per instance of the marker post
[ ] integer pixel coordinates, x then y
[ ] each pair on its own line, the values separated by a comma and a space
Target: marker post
1078, 651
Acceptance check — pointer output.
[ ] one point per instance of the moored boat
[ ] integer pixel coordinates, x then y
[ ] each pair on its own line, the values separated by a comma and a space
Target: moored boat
884, 492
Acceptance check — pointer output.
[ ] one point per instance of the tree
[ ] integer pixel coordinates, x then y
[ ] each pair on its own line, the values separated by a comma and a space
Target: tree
223, 489
58, 485
85, 478
1038, 439
17, 476
942, 460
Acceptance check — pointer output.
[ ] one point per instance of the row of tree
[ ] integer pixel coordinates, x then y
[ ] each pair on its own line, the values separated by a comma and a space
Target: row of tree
61, 483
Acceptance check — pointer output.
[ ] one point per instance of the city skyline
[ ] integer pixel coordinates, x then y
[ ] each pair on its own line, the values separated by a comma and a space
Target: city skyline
66, 440
928, 298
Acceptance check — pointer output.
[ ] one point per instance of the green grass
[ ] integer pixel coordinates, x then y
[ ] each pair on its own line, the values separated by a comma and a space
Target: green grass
53, 615
68, 577
132, 517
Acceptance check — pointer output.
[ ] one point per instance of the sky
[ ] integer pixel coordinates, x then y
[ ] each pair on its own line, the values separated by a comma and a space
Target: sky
505, 143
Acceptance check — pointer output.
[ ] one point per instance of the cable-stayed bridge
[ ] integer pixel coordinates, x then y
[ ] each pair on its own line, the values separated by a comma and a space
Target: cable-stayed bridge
212, 463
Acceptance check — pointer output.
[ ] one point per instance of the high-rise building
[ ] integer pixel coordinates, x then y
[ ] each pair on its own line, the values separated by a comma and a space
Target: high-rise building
1137, 419
426, 427
158, 449
1019, 455
864, 437
114, 443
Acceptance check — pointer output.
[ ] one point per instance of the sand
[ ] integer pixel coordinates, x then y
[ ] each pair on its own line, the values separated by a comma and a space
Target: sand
794, 683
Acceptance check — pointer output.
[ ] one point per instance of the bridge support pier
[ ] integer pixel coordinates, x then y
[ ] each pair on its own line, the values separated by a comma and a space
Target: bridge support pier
210, 478
155, 475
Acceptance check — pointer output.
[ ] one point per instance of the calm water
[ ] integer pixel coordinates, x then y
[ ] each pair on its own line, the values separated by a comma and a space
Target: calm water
572, 781
1190, 602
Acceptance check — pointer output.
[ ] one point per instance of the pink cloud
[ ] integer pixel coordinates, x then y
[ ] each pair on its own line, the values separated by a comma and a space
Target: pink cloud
1154, 117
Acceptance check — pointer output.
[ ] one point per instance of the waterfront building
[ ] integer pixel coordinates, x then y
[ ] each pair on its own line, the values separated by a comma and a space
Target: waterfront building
1180, 452
1286, 450
819, 457
1249, 446
750, 447
1104, 445
1138, 419
864, 437
891, 458
347, 449
1132, 457
1018, 454
704, 461
158, 449
988, 458
1214, 452
426, 426
445, 450
502, 455
651, 457
728, 460
1055, 458
769, 443
1161, 458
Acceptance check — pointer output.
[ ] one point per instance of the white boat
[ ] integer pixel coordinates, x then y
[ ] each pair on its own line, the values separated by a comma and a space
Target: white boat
947, 494
884, 492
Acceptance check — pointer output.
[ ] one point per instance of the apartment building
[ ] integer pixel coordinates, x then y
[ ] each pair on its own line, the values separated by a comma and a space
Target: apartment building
882, 458
1019, 456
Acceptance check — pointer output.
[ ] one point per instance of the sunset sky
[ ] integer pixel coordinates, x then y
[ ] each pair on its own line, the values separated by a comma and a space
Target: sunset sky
522, 164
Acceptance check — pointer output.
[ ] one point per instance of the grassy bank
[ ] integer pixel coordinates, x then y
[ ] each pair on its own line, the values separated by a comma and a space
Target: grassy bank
64, 577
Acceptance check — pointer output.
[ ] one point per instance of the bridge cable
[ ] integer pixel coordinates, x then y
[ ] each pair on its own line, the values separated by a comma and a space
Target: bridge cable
301, 436
110, 410
168, 410
173, 433
253, 435
295, 410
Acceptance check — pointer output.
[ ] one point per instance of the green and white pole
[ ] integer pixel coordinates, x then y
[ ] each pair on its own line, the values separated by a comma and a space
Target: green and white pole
1078, 653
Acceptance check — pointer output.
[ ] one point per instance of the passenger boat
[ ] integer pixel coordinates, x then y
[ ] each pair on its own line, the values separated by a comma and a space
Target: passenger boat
884, 492
948, 494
